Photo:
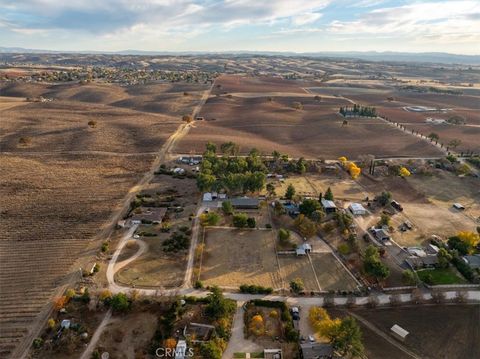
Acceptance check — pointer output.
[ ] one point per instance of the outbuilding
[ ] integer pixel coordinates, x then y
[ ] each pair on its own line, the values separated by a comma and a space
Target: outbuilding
357, 209
207, 197
245, 203
328, 206
303, 249
399, 332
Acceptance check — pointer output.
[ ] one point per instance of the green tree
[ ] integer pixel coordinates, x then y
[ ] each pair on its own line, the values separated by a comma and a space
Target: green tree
218, 306
296, 285
230, 148
329, 194
205, 181
409, 277
454, 143
301, 165
347, 340
120, 302
444, 258
290, 192
211, 147
271, 189
251, 222
373, 265
240, 220
227, 207
284, 236
309, 206
384, 198
384, 220
305, 226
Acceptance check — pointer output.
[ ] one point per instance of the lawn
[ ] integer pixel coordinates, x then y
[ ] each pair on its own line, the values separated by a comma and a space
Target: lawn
440, 276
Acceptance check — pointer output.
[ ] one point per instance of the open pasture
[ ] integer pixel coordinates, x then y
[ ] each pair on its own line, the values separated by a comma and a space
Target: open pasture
272, 123
233, 257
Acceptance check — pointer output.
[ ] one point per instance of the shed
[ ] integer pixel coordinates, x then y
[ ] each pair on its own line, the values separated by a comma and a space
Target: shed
272, 353
303, 249
381, 234
399, 332
207, 197
329, 206
245, 203
181, 349
357, 209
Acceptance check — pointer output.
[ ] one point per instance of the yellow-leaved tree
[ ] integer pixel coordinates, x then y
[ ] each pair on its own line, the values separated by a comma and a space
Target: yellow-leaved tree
404, 172
322, 323
257, 325
469, 238
354, 170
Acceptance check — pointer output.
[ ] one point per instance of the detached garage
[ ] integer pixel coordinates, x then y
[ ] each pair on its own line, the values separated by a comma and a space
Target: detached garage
357, 209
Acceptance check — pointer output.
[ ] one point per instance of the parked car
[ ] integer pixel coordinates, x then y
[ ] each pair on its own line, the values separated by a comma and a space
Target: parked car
295, 311
397, 205
311, 338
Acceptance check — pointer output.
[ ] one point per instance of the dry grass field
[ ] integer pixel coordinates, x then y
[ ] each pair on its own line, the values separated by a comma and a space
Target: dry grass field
60, 187
329, 272
270, 123
435, 331
233, 257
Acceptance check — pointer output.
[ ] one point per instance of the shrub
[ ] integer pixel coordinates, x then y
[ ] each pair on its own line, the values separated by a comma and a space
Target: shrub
37, 343
255, 289
251, 222
209, 219
240, 220
120, 302
296, 285
92, 123
198, 284
227, 207
284, 236
104, 247
344, 249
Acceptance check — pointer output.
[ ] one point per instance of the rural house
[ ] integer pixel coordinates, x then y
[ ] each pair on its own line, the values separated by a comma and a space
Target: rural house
150, 215
245, 203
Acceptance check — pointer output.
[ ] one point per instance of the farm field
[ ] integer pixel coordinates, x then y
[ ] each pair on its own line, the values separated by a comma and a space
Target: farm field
233, 257
61, 185
435, 331
271, 123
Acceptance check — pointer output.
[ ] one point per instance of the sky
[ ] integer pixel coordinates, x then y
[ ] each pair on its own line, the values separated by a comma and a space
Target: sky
239, 25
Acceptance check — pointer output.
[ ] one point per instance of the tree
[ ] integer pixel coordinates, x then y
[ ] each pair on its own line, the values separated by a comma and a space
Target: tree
372, 264
322, 323
409, 277
404, 172
187, 118
271, 189
284, 236
444, 258
297, 105
290, 192
454, 143
257, 325
354, 170
227, 207
209, 219
230, 148
92, 123
433, 136
240, 220
120, 303
348, 338
205, 181
308, 206
211, 147
51, 323
384, 220
212, 349
384, 198
471, 239
218, 306
305, 226
251, 222
329, 194
296, 285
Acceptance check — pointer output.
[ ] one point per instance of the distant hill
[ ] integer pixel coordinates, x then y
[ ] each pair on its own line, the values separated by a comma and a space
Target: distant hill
431, 57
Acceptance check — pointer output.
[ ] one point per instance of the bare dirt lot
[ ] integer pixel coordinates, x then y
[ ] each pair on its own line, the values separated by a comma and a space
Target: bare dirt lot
435, 331
233, 257
271, 123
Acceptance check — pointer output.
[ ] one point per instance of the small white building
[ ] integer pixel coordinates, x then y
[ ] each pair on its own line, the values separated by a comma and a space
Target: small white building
303, 249
207, 197
399, 332
65, 324
357, 209
181, 349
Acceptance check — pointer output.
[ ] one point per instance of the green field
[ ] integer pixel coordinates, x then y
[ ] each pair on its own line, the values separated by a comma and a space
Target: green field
440, 276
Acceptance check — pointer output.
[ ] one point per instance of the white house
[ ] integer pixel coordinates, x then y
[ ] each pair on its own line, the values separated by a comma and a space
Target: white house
357, 209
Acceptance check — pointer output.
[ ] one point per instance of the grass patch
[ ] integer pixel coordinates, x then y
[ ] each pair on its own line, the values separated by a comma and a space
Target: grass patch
440, 276
256, 355
239, 355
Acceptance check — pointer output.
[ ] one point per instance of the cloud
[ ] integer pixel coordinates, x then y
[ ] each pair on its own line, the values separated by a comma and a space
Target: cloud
115, 15
443, 21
